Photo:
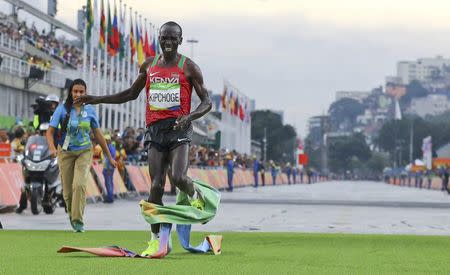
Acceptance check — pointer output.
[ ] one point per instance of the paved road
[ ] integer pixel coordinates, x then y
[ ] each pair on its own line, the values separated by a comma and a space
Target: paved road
332, 207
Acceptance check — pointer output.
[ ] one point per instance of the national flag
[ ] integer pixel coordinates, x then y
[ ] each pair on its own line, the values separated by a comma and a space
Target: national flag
247, 111
152, 47
224, 99
299, 144
236, 106
122, 44
110, 34
132, 40
101, 43
231, 102
140, 50
241, 111
146, 45
115, 33
89, 20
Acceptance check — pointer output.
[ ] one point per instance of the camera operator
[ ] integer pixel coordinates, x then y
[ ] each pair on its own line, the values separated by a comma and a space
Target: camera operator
44, 109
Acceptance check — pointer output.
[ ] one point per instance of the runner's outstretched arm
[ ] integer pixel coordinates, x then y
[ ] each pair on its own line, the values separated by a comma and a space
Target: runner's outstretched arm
122, 97
195, 76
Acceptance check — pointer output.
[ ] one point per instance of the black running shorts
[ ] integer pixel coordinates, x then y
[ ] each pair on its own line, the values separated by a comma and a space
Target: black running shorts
164, 138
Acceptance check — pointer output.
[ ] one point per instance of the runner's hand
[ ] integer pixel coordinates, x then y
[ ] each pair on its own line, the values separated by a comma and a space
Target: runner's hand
181, 122
85, 99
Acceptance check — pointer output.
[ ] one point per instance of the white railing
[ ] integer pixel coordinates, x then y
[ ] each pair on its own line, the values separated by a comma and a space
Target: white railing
17, 46
21, 68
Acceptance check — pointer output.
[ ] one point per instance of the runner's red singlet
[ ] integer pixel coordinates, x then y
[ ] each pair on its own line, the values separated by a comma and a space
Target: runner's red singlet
168, 92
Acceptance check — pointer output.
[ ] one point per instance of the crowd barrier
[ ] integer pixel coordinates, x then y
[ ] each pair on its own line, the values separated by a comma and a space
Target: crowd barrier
11, 181
436, 182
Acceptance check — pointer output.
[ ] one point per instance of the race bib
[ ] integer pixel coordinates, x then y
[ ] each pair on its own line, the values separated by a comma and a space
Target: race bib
164, 99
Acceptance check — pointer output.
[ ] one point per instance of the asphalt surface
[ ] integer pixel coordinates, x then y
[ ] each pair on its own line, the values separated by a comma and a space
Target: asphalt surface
330, 207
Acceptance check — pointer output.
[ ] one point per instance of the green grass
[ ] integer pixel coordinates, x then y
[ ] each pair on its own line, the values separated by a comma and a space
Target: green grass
34, 252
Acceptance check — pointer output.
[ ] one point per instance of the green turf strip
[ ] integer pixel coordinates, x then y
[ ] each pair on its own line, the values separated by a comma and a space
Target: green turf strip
34, 252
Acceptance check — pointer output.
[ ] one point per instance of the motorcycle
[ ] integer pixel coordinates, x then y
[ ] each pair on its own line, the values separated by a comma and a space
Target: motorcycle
41, 173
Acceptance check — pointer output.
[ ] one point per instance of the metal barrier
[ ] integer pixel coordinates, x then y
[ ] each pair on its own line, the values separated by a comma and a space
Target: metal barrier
21, 68
10, 44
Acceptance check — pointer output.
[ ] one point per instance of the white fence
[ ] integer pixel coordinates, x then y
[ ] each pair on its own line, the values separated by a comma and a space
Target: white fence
15, 46
21, 68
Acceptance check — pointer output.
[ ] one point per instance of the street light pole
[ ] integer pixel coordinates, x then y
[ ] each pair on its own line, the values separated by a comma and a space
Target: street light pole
192, 42
265, 144
411, 141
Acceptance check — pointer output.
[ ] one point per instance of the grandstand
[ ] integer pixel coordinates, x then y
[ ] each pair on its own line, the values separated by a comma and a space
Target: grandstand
34, 62
37, 61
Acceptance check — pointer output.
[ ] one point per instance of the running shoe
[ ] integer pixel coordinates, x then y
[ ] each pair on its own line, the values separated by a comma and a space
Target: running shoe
153, 247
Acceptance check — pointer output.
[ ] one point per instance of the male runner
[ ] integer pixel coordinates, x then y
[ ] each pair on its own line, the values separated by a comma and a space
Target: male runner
168, 80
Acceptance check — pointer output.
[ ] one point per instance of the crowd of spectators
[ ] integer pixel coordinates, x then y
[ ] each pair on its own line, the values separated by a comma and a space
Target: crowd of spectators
128, 147
10, 30
47, 42
69, 55
130, 142
37, 61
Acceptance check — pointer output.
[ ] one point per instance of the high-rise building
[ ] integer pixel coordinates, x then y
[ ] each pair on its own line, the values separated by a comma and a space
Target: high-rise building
422, 69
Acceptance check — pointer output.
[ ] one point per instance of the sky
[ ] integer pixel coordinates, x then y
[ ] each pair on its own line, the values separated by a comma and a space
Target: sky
293, 55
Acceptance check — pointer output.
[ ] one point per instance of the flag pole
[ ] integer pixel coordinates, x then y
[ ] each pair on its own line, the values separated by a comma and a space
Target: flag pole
141, 111
85, 44
134, 106
117, 107
124, 57
130, 76
98, 52
106, 76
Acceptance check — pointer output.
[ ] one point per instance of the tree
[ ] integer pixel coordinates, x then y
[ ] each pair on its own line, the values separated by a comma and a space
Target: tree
347, 153
313, 152
343, 113
413, 90
281, 139
397, 132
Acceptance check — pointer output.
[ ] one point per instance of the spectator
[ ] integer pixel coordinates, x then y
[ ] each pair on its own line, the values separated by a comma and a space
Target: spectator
19, 141
262, 170
429, 176
108, 171
255, 170
309, 174
294, 174
4, 136
273, 171
446, 177
131, 145
230, 172
288, 170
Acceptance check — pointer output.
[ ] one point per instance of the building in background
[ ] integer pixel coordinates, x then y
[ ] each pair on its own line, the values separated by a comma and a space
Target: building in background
235, 120
357, 95
318, 126
423, 69
433, 104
